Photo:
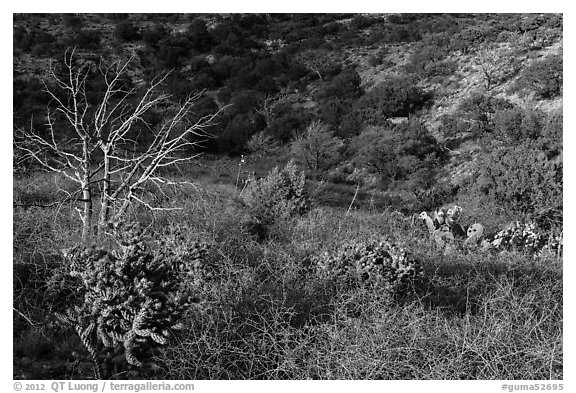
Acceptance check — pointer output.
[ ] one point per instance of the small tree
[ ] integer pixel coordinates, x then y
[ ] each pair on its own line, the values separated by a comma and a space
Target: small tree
320, 61
316, 147
497, 66
280, 195
101, 149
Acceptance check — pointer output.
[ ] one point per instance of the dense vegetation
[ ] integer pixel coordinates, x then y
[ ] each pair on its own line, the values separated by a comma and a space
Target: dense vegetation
333, 131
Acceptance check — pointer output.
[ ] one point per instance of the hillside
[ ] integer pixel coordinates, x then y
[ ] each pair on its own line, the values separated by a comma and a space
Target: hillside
378, 196
466, 78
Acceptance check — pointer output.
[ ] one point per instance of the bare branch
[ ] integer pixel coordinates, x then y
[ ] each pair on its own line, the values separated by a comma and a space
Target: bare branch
152, 208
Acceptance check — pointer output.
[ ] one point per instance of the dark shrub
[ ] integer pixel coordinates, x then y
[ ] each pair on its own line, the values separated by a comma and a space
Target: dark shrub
198, 34
344, 85
522, 178
152, 36
516, 124
395, 97
88, 39
551, 140
72, 21
544, 77
406, 152
127, 31
479, 109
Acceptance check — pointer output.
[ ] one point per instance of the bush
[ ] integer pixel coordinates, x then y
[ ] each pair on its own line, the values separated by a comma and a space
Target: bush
280, 195
377, 261
344, 85
88, 39
35, 38
152, 36
197, 33
480, 108
394, 97
317, 147
544, 77
378, 57
516, 124
526, 237
262, 145
72, 21
428, 58
406, 152
552, 134
522, 179
128, 301
127, 31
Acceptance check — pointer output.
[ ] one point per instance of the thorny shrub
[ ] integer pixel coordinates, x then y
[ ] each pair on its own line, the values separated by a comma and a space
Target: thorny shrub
526, 236
377, 261
280, 195
523, 179
130, 301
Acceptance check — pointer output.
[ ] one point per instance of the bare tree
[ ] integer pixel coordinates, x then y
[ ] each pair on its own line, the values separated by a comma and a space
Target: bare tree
320, 61
102, 150
267, 106
316, 147
497, 65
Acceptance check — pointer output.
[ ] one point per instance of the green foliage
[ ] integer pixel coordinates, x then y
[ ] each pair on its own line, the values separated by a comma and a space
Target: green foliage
87, 39
377, 261
522, 179
397, 96
344, 85
266, 313
280, 195
516, 125
479, 109
544, 77
378, 58
429, 57
406, 152
552, 134
262, 145
198, 34
72, 21
28, 39
153, 35
469, 38
130, 300
316, 147
127, 31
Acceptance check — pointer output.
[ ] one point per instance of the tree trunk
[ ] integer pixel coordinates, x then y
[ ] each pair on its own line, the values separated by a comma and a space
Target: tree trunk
88, 209
86, 192
105, 208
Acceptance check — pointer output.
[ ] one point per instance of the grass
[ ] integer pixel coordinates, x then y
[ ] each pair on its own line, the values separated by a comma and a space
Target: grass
268, 315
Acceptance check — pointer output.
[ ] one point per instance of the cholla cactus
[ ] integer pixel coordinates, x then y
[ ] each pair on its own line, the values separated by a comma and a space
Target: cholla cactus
378, 261
132, 299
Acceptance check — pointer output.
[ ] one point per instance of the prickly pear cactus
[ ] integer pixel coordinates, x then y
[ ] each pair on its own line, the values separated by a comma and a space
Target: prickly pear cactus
378, 261
453, 214
443, 236
520, 236
474, 233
